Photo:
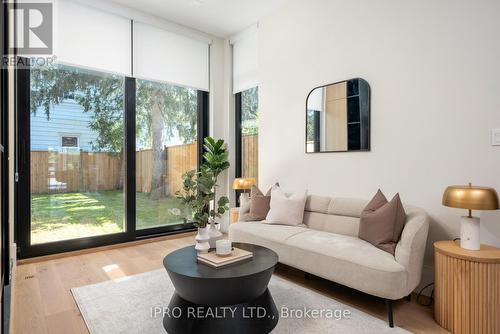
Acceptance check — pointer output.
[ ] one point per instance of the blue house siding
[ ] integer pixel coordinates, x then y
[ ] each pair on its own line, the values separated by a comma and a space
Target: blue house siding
66, 119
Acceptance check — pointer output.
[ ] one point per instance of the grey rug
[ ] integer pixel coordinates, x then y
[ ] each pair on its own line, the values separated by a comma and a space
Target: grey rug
133, 305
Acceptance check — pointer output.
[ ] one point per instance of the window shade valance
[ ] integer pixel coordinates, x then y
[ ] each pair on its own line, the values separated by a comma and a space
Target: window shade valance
92, 38
165, 56
245, 60
97, 39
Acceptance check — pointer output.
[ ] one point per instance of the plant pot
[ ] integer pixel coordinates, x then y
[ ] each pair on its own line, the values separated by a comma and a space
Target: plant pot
214, 233
202, 245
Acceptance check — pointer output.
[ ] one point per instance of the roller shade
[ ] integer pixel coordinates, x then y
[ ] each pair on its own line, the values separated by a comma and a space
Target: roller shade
245, 60
164, 56
92, 38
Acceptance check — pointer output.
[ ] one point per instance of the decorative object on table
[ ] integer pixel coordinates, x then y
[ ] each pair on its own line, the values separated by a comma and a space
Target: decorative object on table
223, 247
213, 260
199, 191
245, 184
286, 209
467, 288
382, 222
244, 207
202, 238
213, 233
471, 198
234, 214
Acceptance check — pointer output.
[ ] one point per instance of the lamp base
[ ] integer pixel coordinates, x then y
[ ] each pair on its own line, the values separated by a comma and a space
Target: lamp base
469, 233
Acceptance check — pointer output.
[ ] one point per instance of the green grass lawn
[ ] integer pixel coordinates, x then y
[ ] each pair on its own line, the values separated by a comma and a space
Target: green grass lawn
75, 215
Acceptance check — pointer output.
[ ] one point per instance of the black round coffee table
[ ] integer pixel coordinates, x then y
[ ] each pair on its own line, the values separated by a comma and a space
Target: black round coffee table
234, 299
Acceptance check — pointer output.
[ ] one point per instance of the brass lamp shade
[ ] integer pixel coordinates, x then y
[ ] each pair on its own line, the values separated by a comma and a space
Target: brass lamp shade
244, 183
471, 197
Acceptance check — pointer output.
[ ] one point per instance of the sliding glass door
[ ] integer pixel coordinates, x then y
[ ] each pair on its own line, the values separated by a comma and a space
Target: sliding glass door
76, 153
101, 157
166, 148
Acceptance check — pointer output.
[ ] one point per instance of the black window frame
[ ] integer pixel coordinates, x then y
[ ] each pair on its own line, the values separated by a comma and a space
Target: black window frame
70, 136
23, 211
238, 136
4, 175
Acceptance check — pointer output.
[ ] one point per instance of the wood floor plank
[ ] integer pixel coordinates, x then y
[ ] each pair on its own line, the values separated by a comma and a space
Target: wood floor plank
43, 303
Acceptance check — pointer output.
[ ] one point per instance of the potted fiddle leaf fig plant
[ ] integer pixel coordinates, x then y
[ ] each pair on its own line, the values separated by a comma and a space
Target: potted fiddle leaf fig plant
199, 190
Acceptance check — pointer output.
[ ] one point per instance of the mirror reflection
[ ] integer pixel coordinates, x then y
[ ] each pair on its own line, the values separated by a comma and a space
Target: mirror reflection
338, 117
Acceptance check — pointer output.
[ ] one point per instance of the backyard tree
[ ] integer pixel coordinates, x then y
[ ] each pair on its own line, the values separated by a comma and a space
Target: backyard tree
163, 111
249, 111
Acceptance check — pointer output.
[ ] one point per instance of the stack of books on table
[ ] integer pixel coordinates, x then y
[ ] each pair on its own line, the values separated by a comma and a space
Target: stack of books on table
213, 260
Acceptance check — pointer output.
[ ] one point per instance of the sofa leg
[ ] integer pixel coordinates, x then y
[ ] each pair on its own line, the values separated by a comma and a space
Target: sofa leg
307, 276
408, 298
388, 305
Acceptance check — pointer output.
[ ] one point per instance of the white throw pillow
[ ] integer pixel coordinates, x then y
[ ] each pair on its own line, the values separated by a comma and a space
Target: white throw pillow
286, 209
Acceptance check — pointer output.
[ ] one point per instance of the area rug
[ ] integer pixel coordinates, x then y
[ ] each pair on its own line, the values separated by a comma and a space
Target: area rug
134, 304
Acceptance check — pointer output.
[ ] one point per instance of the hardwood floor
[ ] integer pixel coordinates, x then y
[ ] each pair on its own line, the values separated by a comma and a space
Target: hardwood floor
42, 301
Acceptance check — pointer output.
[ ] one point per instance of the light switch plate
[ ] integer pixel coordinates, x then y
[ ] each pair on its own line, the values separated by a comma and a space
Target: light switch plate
495, 137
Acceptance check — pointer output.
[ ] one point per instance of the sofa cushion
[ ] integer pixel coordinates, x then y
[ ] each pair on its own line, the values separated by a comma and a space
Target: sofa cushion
349, 261
332, 223
351, 207
259, 204
278, 233
286, 209
316, 203
382, 222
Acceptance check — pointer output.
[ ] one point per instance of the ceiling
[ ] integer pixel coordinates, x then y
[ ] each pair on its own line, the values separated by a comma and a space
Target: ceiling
221, 18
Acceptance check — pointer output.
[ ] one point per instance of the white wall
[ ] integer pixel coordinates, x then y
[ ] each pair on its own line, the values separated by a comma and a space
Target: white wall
434, 71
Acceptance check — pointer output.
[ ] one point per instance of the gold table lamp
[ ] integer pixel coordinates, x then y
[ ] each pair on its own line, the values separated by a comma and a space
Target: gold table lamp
243, 183
471, 198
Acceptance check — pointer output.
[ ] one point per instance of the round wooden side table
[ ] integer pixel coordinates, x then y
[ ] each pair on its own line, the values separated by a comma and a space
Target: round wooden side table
467, 288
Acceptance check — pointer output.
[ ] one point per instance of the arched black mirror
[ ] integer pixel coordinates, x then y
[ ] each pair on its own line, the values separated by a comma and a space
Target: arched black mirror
338, 117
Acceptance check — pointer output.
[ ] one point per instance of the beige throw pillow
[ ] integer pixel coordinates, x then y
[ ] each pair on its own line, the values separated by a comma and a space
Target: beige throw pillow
286, 209
382, 222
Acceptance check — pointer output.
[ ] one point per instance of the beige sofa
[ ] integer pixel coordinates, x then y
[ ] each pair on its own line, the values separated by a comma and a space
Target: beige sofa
327, 245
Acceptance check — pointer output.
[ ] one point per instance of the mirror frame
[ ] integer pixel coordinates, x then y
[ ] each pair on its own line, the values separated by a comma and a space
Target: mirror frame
368, 149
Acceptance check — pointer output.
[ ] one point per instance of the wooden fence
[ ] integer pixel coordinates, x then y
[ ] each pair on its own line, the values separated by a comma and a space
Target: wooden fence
250, 156
87, 171
179, 159
70, 172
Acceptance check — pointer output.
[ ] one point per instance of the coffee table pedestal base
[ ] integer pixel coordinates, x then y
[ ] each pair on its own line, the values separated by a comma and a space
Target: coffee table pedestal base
255, 317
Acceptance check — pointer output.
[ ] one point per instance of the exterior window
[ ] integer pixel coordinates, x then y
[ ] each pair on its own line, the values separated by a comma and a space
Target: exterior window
69, 141
247, 134
76, 193
166, 148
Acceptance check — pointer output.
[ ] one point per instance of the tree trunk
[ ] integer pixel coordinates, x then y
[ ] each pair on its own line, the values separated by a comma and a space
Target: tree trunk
157, 182
121, 178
